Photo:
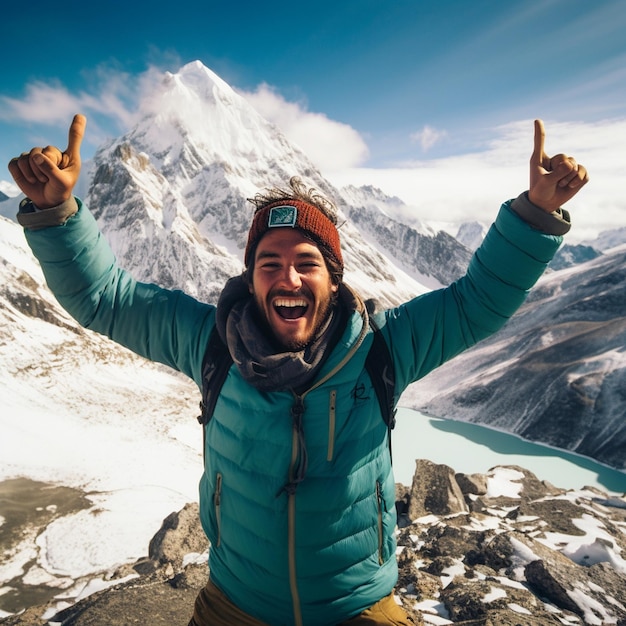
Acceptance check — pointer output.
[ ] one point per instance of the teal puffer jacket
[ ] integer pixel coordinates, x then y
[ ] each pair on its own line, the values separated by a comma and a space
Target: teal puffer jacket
323, 551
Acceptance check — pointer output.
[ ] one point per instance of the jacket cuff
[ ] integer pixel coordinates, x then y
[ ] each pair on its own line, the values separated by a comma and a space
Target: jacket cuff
29, 216
556, 223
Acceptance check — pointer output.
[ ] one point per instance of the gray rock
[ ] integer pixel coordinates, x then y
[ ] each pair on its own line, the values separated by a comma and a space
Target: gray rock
180, 534
472, 484
435, 491
503, 562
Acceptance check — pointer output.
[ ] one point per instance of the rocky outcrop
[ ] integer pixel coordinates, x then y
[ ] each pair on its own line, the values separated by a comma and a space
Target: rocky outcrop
523, 552
159, 589
501, 549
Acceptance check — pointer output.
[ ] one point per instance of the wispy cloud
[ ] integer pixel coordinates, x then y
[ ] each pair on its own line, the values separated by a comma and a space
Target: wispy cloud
428, 137
44, 103
110, 92
331, 145
109, 101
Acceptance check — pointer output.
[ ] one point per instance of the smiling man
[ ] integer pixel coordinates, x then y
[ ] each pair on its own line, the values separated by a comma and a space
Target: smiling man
289, 278
297, 493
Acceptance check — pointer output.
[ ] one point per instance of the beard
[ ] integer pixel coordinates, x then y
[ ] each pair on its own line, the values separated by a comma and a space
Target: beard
294, 344
323, 318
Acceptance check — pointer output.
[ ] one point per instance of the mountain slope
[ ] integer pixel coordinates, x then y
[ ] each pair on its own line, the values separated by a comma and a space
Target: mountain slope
556, 373
434, 258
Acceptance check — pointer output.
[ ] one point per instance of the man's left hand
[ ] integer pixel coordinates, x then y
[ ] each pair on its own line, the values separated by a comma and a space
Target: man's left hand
553, 180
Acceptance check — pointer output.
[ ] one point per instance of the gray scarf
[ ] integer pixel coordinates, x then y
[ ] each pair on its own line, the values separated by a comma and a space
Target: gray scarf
253, 349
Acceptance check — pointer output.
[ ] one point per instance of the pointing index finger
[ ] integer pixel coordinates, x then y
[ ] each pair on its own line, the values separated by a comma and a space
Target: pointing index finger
75, 135
540, 137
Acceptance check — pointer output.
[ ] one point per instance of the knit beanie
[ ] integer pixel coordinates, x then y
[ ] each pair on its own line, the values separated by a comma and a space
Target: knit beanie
295, 214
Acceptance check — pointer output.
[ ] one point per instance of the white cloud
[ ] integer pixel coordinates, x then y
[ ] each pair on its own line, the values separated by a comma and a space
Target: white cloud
331, 145
109, 102
428, 137
43, 103
471, 187
110, 93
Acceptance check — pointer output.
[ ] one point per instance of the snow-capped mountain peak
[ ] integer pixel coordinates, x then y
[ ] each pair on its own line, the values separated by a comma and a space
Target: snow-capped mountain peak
176, 187
194, 118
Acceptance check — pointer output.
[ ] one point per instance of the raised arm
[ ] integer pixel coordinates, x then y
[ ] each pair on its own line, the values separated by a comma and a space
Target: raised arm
81, 270
516, 251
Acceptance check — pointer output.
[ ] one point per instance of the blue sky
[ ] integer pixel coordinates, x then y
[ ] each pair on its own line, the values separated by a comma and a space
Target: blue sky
408, 83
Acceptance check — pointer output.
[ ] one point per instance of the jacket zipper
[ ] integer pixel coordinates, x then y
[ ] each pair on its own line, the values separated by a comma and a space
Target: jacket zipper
382, 506
293, 578
291, 518
332, 406
291, 495
217, 503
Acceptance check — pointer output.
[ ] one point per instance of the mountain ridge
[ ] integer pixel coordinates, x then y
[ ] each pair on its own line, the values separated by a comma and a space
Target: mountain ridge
561, 359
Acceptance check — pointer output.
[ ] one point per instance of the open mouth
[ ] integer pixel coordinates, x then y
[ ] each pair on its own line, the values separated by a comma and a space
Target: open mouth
290, 308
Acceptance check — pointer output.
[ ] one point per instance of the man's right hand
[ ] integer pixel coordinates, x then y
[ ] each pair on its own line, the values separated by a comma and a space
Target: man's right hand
46, 175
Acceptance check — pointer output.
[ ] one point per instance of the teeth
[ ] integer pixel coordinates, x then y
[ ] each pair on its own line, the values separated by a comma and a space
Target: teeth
289, 302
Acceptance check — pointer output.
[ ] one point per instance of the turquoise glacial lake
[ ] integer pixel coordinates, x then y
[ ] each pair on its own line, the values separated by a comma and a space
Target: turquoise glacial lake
471, 448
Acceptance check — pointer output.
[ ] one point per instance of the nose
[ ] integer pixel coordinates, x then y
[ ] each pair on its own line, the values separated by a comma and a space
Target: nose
292, 277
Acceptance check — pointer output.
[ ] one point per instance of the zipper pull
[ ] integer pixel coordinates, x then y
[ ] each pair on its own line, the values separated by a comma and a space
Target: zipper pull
217, 496
382, 503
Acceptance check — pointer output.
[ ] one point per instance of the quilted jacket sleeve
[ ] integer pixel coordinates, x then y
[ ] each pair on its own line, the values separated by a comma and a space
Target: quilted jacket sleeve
164, 326
434, 327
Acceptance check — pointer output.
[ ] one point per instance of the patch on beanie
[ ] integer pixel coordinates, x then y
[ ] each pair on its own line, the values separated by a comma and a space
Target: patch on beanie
284, 215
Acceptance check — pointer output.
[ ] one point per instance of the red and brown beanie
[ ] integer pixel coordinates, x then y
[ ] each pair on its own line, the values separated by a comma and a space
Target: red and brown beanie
295, 214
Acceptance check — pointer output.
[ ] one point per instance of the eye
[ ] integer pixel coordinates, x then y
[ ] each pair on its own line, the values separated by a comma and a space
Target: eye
269, 265
308, 265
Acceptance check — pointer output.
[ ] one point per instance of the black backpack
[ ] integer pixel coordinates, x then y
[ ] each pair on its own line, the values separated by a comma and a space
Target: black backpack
378, 363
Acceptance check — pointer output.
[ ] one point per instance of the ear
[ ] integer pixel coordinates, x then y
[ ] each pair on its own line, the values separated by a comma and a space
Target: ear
247, 277
334, 287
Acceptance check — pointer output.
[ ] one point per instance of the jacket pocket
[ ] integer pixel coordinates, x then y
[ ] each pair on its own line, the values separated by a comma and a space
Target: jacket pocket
382, 508
217, 506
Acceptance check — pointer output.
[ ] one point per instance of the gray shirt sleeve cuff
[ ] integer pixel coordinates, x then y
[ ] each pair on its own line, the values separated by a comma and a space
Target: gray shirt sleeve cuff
29, 216
556, 223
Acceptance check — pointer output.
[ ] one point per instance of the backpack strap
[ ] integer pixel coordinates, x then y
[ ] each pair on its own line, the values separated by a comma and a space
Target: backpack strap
379, 366
215, 365
378, 363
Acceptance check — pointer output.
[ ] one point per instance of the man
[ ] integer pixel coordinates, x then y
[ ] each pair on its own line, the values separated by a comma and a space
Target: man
297, 494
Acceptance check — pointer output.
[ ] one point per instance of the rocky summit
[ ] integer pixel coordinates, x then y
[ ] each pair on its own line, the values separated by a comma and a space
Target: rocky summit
496, 549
